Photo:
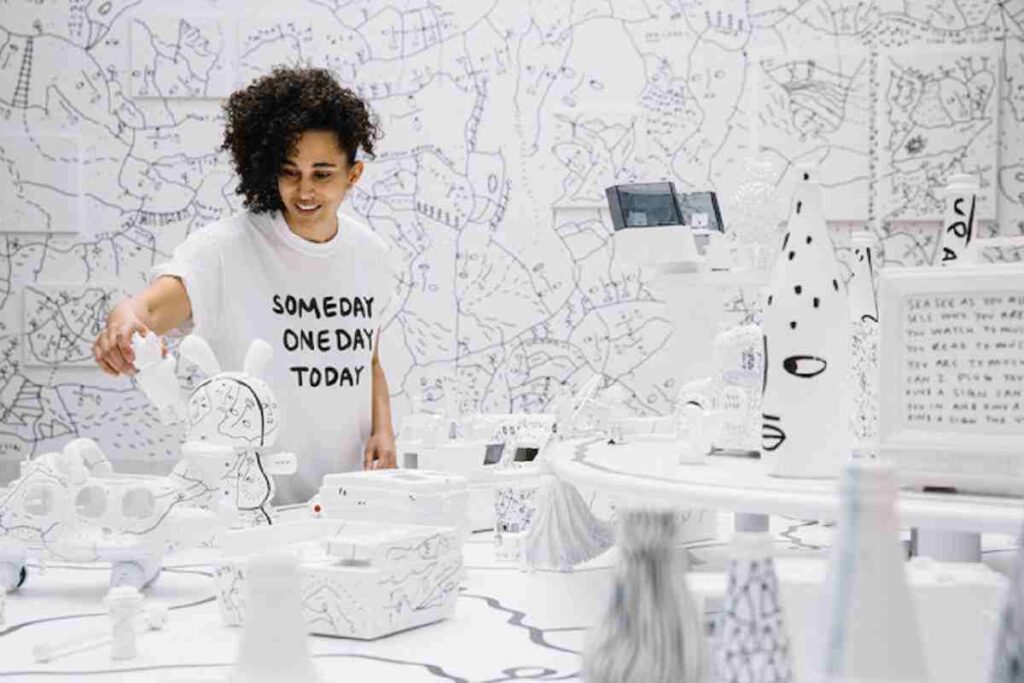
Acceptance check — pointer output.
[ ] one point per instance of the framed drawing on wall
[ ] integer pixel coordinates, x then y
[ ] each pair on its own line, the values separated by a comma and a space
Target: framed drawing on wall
952, 376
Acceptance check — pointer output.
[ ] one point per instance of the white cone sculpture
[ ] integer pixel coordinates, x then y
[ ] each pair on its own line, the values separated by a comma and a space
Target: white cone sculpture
805, 408
863, 342
960, 201
751, 643
871, 633
564, 532
651, 631
275, 640
1008, 662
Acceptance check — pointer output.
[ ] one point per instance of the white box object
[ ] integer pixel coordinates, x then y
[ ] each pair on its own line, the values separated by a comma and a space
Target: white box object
420, 497
951, 376
357, 579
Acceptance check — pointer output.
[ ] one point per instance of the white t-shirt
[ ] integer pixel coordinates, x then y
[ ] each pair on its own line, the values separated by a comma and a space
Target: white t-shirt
319, 305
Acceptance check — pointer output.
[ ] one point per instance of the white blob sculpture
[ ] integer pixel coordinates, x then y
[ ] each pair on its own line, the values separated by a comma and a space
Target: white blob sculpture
960, 198
871, 629
864, 341
563, 532
805, 406
751, 644
156, 377
651, 630
274, 645
1008, 662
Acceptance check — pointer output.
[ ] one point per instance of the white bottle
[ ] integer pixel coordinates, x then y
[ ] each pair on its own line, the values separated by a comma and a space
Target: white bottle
739, 366
960, 200
871, 629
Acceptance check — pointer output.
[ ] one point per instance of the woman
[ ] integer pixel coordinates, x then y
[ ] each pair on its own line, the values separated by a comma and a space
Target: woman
290, 270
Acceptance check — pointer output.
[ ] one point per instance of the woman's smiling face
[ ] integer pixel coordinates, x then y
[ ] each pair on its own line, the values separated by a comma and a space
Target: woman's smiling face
313, 181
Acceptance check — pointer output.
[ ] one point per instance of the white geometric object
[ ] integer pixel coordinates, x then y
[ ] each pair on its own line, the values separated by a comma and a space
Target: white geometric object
651, 630
564, 532
70, 506
871, 630
401, 496
807, 348
124, 605
157, 378
356, 579
751, 644
274, 645
960, 202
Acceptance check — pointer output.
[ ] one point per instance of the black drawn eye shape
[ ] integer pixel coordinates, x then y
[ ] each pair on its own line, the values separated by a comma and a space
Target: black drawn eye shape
804, 366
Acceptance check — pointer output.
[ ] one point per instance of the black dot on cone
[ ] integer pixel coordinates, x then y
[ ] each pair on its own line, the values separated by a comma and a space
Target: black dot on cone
792, 324
817, 302
808, 239
792, 255
807, 176
799, 205
798, 289
835, 284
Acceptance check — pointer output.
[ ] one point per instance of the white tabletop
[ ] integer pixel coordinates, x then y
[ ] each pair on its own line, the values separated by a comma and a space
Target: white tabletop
743, 485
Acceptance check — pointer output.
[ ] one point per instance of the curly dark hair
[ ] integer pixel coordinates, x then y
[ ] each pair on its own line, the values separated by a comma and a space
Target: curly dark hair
266, 118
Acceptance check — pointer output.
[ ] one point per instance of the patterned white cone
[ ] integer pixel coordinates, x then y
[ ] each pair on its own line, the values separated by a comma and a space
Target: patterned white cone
864, 342
1008, 662
751, 643
805, 430
652, 630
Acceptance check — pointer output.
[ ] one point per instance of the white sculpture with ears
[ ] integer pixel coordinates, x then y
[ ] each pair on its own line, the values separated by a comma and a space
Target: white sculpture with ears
805, 405
960, 198
871, 629
651, 630
864, 341
232, 418
751, 643
156, 377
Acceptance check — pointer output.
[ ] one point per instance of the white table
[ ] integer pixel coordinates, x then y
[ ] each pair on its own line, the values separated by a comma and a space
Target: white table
948, 524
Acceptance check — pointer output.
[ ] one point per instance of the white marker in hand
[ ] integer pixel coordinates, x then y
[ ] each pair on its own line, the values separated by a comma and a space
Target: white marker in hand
157, 378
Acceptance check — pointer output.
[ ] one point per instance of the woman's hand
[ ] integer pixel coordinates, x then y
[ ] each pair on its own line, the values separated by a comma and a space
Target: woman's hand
380, 452
113, 347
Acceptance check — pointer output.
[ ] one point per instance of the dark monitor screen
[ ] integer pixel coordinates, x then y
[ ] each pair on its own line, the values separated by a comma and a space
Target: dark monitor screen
641, 205
492, 455
526, 454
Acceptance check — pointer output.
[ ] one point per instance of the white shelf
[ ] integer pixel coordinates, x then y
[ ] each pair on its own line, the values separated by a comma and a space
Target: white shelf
742, 485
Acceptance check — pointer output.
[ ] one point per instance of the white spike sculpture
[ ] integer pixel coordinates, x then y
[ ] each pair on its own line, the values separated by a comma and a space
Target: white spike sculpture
651, 631
805, 431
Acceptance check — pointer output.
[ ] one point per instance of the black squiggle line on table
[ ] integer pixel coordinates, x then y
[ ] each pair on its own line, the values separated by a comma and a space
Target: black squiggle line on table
543, 674
790, 535
516, 619
431, 668
90, 615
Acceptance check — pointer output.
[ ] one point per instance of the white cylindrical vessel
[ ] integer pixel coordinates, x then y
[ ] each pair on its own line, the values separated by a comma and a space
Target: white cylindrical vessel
871, 629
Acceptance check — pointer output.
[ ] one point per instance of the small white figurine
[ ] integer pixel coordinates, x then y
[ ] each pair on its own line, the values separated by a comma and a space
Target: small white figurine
153, 619
157, 378
275, 644
564, 532
124, 604
651, 631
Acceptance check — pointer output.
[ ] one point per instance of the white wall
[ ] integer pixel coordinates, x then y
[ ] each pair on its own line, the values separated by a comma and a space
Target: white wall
504, 122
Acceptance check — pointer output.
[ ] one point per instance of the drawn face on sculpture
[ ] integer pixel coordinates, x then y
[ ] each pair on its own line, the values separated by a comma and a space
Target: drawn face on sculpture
233, 409
804, 333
